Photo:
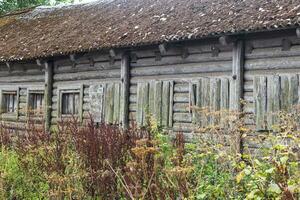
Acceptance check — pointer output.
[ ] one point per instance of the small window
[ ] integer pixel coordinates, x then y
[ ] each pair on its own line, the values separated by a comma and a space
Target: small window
9, 104
36, 102
70, 103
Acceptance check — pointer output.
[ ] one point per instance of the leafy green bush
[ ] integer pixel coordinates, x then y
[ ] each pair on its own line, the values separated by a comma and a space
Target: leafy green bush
105, 162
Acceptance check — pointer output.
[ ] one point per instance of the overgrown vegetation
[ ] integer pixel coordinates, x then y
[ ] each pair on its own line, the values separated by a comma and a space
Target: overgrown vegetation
11, 5
105, 162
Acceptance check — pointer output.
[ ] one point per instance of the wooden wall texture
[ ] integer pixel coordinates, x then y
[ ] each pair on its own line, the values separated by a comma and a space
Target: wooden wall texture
21, 77
264, 71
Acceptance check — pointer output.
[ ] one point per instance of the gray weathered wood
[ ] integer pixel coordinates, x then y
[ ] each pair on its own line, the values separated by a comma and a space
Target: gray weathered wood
109, 103
165, 103
116, 111
215, 100
125, 84
260, 95
142, 103
237, 75
158, 101
205, 101
48, 93
273, 100
96, 94
284, 88
171, 102
224, 101
293, 92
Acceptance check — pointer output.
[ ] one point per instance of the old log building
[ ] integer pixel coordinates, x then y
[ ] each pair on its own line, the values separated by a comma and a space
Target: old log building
121, 59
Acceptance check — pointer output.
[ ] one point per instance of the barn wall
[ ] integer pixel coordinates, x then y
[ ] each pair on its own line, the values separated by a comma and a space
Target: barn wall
21, 77
183, 66
92, 69
168, 85
272, 65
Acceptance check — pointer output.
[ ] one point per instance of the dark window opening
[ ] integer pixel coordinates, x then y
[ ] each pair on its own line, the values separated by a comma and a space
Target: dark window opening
70, 103
9, 102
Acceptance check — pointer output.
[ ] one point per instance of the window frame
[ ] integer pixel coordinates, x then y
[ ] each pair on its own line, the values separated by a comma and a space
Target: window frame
70, 89
35, 90
16, 90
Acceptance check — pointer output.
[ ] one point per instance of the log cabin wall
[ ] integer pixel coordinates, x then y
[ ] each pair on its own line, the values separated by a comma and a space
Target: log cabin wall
168, 81
88, 75
271, 82
19, 79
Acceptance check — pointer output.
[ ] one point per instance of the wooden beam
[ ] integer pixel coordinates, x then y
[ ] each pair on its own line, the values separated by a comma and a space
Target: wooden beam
225, 40
215, 51
157, 56
125, 83
133, 57
73, 60
112, 53
8, 65
39, 62
184, 52
237, 85
298, 32
237, 75
48, 93
162, 48
286, 45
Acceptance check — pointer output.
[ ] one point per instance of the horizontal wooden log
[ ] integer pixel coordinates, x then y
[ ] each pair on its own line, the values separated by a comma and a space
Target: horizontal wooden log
182, 69
192, 58
274, 63
87, 75
182, 117
179, 77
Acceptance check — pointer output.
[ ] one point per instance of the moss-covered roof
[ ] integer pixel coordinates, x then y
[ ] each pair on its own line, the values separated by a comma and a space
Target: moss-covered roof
51, 31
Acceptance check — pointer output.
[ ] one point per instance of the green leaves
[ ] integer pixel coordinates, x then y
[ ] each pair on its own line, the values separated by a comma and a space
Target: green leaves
11, 5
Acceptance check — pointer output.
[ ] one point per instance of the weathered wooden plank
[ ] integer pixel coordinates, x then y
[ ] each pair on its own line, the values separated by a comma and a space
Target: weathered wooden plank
165, 103
116, 110
193, 58
151, 97
273, 100
260, 95
125, 84
192, 100
215, 100
224, 104
87, 75
205, 101
182, 117
284, 88
158, 101
237, 75
145, 103
171, 103
96, 104
197, 115
109, 103
48, 93
293, 92
142, 103
182, 69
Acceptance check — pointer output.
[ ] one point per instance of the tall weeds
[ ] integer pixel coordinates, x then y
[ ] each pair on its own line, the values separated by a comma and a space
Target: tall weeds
102, 161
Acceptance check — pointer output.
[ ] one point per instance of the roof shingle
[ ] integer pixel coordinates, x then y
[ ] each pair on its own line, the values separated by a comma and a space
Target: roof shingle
49, 31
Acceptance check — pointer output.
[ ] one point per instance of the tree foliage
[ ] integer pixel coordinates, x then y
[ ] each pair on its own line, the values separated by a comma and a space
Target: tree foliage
11, 5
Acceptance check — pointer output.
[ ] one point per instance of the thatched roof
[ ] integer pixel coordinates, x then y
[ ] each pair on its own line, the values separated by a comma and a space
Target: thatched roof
51, 31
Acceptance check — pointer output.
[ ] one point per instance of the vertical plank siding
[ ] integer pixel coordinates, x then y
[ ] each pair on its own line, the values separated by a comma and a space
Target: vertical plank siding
271, 83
